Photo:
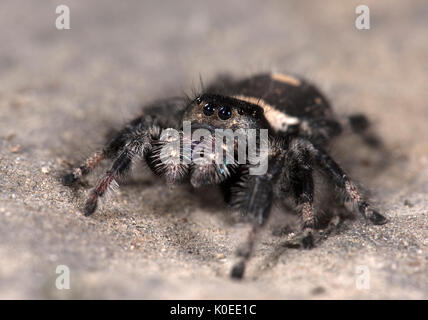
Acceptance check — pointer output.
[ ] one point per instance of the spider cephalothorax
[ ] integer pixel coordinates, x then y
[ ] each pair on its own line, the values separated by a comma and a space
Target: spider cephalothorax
298, 123
214, 111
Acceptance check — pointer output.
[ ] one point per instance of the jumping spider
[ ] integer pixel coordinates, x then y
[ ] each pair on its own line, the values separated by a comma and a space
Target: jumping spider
300, 123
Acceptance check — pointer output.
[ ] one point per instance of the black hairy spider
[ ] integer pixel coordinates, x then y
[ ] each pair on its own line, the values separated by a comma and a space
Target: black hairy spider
300, 124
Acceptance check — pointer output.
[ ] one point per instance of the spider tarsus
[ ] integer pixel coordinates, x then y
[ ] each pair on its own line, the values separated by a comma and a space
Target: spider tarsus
377, 218
69, 179
359, 123
308, 242
90, 206
238, 269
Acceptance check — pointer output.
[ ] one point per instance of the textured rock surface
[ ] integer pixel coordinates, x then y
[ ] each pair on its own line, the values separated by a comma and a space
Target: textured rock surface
61, 92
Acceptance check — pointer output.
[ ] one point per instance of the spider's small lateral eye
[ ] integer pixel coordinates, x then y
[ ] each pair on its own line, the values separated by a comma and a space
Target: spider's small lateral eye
198, 100
241, 111
208, 110
224, 113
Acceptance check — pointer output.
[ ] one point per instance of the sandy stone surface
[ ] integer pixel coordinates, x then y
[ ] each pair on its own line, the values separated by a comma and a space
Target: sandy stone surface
62, 91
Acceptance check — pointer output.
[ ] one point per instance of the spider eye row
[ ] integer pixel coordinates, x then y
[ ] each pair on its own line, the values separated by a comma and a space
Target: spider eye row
224, 113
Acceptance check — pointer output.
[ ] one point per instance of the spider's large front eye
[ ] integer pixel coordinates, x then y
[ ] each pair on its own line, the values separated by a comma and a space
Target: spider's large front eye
224, 113
208, 110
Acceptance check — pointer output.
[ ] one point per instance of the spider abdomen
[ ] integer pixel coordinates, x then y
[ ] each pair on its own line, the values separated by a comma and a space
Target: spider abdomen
290, 104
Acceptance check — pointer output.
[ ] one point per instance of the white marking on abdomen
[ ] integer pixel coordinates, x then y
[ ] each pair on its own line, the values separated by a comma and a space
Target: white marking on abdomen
277, 119
285, 79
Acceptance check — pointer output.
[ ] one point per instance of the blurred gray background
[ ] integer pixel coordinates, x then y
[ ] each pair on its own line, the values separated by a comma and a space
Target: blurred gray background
62, 91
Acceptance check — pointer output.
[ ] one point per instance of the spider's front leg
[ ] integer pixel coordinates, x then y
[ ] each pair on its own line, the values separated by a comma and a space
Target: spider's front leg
254, 198
111, 150
86, 167
135, 140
